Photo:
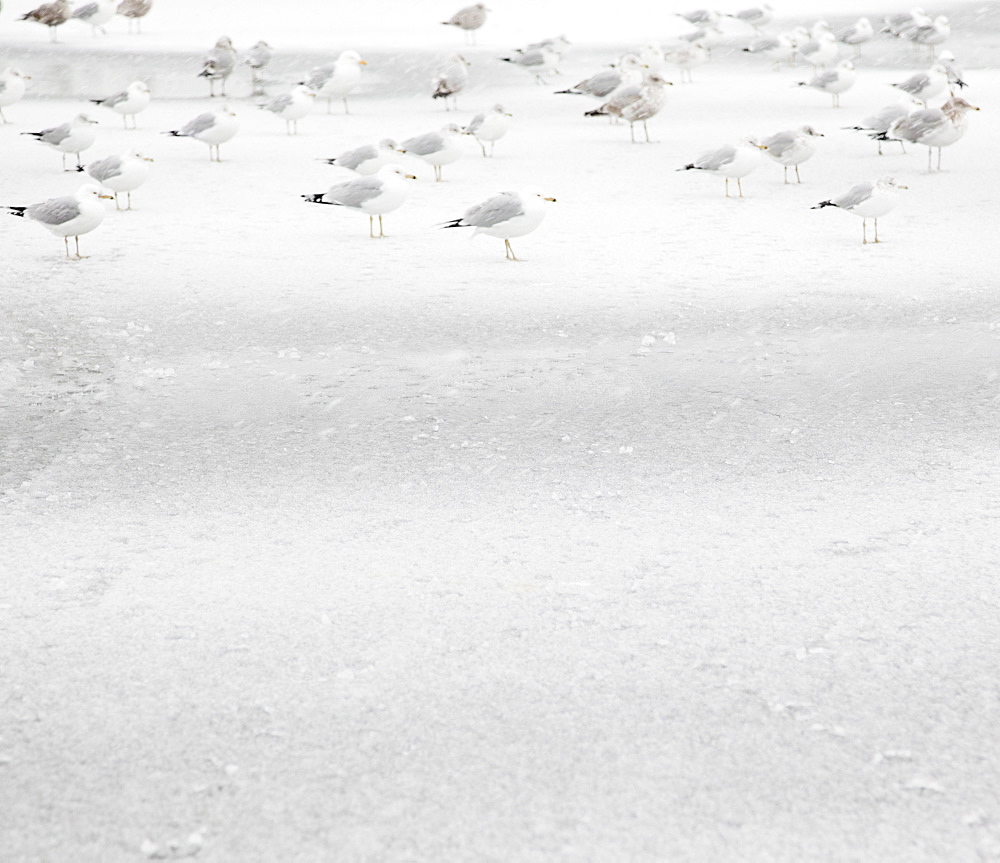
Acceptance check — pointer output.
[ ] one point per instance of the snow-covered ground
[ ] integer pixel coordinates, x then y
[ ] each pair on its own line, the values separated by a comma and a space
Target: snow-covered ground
676, 541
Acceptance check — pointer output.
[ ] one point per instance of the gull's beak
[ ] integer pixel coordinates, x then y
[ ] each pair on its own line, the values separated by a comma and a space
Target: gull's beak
107, 197
553, 200
146, 158
362, 62
410, 176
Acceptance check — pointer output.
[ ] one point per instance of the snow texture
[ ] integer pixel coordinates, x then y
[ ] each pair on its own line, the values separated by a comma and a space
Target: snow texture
677, 541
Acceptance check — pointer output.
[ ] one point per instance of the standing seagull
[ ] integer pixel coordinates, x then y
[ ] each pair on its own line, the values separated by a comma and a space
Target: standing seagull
834, 82
934, 128
52, 15
257, 59
469, 19
489, 126
292, 106
435, 148
337, 79
11, 88
867, 200
128, 102
791, 148
212, 128
367, 159
375, 195
72, 137
635, 104
539, 61
452, 80
96, 14
879, 122
68, 216
507, 215
134, 11
856, 34
627, 72
733, 161
218, 64
922, 85
755, 16
124, 173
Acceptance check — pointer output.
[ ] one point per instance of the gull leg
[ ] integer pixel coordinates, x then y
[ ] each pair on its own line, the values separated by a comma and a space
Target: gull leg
492, 145
739, 185
877, 240
509, 249
381, 233
939, 159
786, 175
66, 244
631, 131
346, 109
864, 231
371, 227
646, 130
798, 179
481, 147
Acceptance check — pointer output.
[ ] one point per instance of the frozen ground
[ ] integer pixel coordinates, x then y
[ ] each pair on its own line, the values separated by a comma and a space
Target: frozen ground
676, 542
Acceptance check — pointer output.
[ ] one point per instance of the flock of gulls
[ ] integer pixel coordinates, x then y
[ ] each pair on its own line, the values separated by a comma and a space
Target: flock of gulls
928, 110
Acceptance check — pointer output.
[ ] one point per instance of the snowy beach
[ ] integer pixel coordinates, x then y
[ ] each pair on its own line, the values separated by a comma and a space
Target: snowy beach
676, 541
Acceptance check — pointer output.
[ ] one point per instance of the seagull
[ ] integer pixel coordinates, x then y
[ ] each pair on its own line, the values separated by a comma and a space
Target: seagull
257, 59
732, 161
218, 64
834, 82
124, 173
820, 49
506, 215
880, 121
213, 128
933, 127
903, 22
375, 195
489, 126
922, 85
560, 44
538, 61
856, 34
867, 200
469, 19
67, 216
11, 88
779, 48
291, 106
134, 11
72, 137
51, 15
791, 148
686, 57
626, 73
755, 16
635, 104
128, 102
366, 160
435, 148
934, 33
452, 80
337, 79
698, 17
96, 14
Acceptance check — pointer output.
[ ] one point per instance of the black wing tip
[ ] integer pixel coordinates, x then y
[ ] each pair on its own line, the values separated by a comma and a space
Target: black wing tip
454, 223
823, 204
16, 211
316, 198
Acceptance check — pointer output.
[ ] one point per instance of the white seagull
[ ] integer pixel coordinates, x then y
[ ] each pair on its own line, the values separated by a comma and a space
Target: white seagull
375, 195
635, 104
96, 13
367, 159
469, 19
867, 200
878, 123
72, 137
834, 81
922, 85
856, 34
257, 58
218, 64
791, 148
451, 81
490, 126
291, 106
538, 61
338, 79
12, 88
134, 11
732, 161
67, 216
435, 148
128, 102
124, 173
506, 215
934, 128
213, 128
626, 73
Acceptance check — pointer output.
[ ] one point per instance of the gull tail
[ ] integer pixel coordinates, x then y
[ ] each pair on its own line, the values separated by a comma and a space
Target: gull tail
454, 223
317, 198
16, 211
823, 204
881, 136
691, 167
597, 112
